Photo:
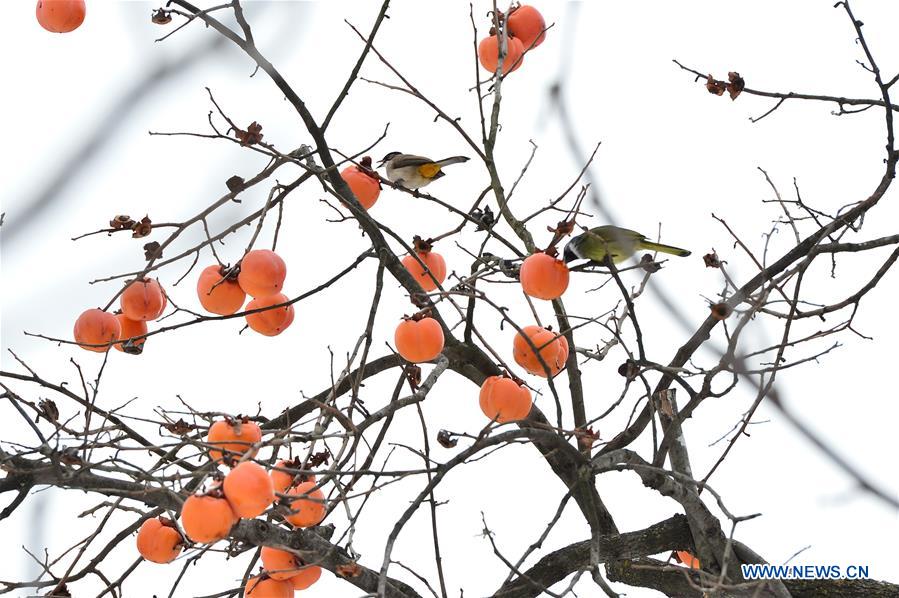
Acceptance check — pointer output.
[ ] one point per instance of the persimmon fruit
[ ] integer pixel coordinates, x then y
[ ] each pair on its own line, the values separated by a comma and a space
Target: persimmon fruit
129, 328
234, 438
365, 187
283, 480
270, 322
158, 540
279, 564
60, 16
419, 340
436, 269
307, 576
306, 504
553, 349
217, 296
249, 489
504, 400
688, 559
143, 300
96, 327
267, 587
262, 273
488, 54
543, 276
527, 25
207, 518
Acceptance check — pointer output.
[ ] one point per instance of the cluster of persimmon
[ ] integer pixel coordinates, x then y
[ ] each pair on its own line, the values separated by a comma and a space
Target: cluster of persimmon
525, 29
261, 275
247, 491
141, 301
60, 16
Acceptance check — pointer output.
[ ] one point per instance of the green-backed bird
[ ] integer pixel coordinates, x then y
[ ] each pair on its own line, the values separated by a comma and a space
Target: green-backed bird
620, 243
414, 172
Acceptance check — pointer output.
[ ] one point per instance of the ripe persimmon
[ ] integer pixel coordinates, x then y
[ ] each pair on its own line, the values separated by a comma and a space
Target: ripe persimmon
488, 54
266, 587
232, 437
543, 276
129, 328
158, 540
365, 187
222, 297
60, 16
308, 508
207, 518
96, 327
504, 400
553, 349
419, 340
279, 564
436, 268
270, 322
283, 480
688, 559
143, 299
527, 24
262, 273
248, 489
307, 576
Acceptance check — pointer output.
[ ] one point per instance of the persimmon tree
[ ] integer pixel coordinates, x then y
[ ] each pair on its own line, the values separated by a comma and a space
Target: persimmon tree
285, 489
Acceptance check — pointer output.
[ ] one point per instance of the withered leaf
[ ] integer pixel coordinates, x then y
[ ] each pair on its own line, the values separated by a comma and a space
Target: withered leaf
161, 17
349, 570
179, 427
736, 85
61, 591
665, 406
446, 440
235, 183
142, 229
69, 456
485, 218
711, 260
648, 264
152, 250
714, 86
721, 311
251, 136
320, 458
586, 438
49, 410
120, 222
629, 369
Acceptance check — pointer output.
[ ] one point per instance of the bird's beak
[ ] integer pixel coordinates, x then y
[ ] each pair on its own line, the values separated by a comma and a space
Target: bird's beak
382, 162
569, 255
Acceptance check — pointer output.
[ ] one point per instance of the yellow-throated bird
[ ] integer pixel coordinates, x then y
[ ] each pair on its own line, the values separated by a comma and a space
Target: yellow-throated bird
414, 172
618, 242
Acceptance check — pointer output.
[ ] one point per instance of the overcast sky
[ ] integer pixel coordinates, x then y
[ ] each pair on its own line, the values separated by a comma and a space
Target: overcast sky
671, 155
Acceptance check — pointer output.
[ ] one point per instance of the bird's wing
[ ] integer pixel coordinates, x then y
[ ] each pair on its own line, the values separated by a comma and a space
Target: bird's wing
404, 160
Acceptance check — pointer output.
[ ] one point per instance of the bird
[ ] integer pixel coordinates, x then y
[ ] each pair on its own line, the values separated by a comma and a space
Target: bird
414, 172
598, 243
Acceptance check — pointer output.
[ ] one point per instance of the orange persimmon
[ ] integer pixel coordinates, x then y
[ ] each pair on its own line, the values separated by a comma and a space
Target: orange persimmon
527, 24
504, 400
687, 559
307, 576
270, 322
143, 299
262, 273
233, 437
419, 340
248, 490
308, 509
217, 296
365, 187
283, 480
60, 16
158, 540
436, 268
207, 518
96, 327
488, 54
543, 277
553, 349
279, 564
129, 328
267, 587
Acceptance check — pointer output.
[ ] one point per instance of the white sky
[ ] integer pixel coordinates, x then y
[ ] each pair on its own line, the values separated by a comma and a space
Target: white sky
671, 154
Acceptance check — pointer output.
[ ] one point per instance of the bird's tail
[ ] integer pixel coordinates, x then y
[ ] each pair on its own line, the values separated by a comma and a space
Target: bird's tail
453, 160
650, 246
